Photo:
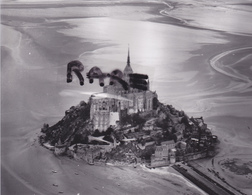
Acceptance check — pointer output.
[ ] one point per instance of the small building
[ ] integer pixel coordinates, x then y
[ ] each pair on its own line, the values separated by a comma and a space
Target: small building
60, 148
162, 154
159, 153
160, 157
215, 138
181, 145
178, 135
91, 154
173, 156
180, 127
148, 127
169, 144
114, 118
142, 147
130, 129
131, 156
156, 131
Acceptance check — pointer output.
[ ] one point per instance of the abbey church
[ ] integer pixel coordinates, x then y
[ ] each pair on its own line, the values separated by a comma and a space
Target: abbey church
108, 107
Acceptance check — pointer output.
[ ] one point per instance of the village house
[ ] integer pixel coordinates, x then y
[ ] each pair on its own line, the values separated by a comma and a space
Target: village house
156, 130
131, 157
148, 127
91, 154
60, 148
148, 143
179, 136
161, 156
181, 145
172, 156
130, 129
180, 127
157, 160
169, 144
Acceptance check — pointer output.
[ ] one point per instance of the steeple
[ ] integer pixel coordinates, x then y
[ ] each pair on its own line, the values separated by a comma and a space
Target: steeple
128, 70
128, 60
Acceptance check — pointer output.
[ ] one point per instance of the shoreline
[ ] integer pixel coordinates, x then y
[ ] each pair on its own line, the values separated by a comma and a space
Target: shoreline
114, 175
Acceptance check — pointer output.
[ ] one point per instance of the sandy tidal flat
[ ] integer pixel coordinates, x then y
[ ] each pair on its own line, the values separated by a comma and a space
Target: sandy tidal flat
194, 63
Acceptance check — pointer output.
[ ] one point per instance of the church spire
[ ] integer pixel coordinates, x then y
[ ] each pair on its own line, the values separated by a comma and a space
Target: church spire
128, 60
127, 70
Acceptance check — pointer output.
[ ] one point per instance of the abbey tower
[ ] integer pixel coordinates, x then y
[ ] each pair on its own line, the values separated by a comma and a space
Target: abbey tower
106, 110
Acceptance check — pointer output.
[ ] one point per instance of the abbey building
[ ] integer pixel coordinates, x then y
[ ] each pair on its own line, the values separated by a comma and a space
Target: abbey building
108, 107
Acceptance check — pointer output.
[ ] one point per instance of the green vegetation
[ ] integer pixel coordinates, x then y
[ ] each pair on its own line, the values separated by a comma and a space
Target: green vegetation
72, 128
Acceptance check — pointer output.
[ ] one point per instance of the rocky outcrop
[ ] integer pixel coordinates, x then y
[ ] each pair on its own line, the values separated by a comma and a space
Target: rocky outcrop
73, 127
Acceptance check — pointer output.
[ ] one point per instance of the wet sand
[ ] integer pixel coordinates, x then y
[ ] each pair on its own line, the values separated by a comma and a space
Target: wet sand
32, 62
225, 101
35, 50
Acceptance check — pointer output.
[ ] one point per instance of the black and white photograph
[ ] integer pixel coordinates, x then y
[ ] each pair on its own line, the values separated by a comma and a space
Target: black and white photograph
126, 97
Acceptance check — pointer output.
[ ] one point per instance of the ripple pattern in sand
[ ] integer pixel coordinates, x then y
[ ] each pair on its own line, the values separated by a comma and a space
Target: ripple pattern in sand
217, 63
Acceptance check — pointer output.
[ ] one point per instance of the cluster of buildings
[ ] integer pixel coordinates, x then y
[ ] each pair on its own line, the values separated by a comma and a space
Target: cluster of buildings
180, 139
192, 142
195, 143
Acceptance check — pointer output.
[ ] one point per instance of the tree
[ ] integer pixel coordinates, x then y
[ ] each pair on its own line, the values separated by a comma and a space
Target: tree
173, 130
167, 135
125, 119
185, 120
96, 133
83, 103
174, 137
137, 119
108, 138
148, 132
44, 128
109, 131
148, 151
85, 140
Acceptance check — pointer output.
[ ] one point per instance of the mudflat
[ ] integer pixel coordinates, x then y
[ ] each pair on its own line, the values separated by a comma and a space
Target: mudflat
195, 64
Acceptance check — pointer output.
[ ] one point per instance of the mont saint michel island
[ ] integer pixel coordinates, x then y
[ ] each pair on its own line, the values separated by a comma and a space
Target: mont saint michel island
131, 127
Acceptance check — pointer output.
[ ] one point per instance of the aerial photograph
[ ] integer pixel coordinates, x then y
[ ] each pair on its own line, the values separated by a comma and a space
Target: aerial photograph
126, 97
